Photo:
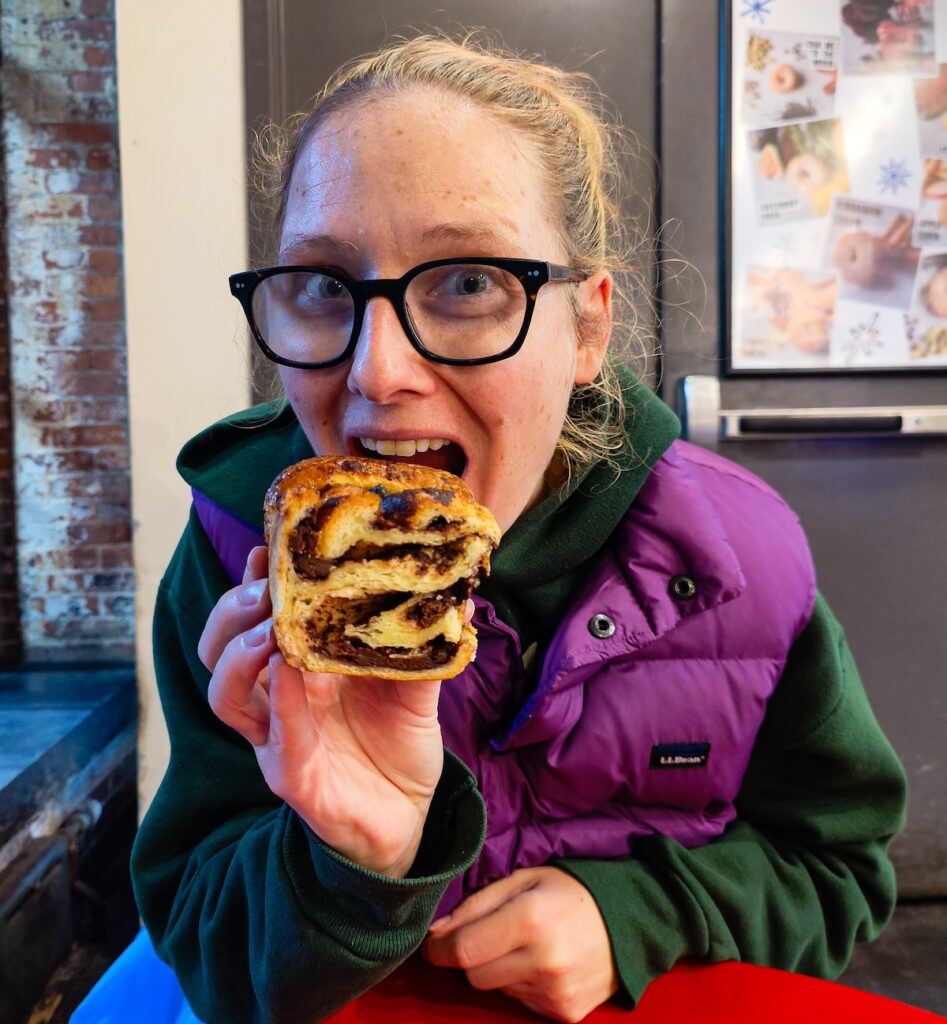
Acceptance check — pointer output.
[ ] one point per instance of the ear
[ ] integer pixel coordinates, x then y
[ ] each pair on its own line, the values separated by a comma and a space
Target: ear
595, 325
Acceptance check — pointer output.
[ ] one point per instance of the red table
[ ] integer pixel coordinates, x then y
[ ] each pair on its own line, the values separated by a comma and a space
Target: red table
729, 993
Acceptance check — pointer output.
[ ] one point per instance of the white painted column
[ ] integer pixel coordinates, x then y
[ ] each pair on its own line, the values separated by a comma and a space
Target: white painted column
181, 126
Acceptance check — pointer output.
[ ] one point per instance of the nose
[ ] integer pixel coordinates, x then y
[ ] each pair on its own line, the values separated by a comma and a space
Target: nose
386, 367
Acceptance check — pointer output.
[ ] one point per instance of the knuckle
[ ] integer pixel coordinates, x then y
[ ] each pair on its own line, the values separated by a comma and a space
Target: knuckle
216, 696
464, 955
535, 924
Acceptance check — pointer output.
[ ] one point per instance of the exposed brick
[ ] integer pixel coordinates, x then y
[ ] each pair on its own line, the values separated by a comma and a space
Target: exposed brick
94, 436
117, 556
97, 183
101, 159
54, 158
80, 410
103, 334
96, 8
99, 234
102, 209
90, 383
89, 81
109, 360
110, 486
104, 261
68, 29
108, 459
99, 533
97, 56
90, 133
52, 208
74, 558
102, 286
65, 297
104, 309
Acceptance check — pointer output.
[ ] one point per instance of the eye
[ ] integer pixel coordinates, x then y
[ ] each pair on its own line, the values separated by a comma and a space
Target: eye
320, 287
470, 282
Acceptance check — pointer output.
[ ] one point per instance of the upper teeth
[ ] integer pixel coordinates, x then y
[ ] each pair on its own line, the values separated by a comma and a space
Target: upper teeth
420, 444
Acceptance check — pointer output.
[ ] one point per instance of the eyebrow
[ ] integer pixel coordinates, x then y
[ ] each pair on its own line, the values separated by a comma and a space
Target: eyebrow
473, 231
462, 232
304, 243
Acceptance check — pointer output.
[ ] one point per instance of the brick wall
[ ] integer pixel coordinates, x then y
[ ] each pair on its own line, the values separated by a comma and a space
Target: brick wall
66, 322
9, 603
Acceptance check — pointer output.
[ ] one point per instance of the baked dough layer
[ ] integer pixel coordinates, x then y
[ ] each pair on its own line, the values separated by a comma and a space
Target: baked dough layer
371, 564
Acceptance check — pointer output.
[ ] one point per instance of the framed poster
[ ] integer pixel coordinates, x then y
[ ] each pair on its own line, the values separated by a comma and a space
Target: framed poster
837, 167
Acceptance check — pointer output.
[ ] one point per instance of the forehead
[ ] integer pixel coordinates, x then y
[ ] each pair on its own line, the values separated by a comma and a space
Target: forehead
417, 167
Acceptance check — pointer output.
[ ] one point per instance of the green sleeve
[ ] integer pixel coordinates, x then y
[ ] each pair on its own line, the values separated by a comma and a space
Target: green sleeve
803, 871
260, 920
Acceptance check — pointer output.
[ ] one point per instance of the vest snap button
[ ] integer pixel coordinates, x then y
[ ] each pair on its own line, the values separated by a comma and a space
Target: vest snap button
682, 588
601, 626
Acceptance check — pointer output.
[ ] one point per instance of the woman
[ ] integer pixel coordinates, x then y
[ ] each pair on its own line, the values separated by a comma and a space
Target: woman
676, 754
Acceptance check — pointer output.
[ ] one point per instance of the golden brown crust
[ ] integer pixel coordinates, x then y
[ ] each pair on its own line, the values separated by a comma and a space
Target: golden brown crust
345, 534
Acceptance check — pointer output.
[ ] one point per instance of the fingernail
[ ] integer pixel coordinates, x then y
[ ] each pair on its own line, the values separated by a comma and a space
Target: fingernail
259, 635
441, 922
252, 592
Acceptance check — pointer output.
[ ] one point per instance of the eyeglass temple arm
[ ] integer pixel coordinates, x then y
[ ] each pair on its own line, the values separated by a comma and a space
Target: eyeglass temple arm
560, 273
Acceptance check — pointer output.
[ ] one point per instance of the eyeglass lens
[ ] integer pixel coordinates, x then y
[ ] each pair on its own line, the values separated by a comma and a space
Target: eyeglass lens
460, 311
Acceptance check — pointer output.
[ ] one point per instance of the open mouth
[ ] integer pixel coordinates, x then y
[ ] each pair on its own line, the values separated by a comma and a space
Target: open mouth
435, 453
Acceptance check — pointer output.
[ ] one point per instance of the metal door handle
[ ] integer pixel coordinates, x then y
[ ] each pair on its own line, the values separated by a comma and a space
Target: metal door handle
706, 423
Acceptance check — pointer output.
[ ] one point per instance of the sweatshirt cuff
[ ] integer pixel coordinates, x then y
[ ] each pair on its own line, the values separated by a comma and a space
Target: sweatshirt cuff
369, 911
649, 928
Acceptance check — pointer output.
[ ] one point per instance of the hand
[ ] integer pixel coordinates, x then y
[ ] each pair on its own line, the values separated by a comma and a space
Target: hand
536, 935
357, 758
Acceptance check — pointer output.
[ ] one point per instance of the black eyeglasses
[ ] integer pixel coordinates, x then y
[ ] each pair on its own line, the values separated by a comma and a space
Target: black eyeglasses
463, 312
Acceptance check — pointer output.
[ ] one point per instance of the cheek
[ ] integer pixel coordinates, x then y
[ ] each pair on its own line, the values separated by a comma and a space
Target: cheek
312, 399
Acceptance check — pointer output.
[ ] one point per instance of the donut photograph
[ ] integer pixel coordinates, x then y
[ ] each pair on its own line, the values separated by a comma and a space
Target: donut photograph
870, 246
788, 77
797, 169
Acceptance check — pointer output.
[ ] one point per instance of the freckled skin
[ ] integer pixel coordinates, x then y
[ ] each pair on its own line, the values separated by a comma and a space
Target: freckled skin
507, 415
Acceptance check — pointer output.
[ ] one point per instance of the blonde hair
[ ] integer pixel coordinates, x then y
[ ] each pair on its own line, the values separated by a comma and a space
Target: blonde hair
562, 113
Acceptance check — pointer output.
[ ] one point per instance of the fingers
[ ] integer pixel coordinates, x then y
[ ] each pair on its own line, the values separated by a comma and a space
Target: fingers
504, 972
291, 726
484, 902
237, 611
482, 941
234, 695
256, 564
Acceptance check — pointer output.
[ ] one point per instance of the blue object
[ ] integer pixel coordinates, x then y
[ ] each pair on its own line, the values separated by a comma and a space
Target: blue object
137, 989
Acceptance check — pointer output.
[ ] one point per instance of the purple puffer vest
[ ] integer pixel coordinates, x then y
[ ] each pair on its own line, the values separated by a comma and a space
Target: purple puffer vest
653, 687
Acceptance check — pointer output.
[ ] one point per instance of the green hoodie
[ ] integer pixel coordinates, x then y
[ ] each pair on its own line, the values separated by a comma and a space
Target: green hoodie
263, 922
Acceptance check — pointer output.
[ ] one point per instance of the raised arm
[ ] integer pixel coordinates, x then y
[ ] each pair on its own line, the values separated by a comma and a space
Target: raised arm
259, 917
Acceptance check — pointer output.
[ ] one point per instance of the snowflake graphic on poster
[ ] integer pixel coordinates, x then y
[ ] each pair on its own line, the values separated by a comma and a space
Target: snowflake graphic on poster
864, 339
893, 176
757, 9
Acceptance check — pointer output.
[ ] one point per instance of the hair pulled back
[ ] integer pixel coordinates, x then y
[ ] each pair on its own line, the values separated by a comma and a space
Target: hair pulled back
561, 113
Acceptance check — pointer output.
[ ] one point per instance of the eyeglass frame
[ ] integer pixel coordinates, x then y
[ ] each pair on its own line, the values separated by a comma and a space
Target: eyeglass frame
532, 275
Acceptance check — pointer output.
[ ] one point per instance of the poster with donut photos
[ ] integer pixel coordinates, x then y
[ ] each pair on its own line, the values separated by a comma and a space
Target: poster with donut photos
838, 185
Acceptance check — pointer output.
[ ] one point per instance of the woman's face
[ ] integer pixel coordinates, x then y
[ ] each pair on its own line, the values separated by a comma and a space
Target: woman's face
391, 183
